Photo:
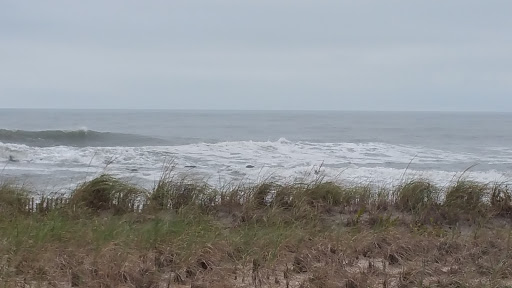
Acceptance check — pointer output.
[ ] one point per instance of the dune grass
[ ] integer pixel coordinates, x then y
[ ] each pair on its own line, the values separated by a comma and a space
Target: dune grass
323, 234
106, 193
13, 199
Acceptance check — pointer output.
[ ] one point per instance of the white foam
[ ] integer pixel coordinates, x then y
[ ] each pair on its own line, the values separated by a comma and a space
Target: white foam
281, 159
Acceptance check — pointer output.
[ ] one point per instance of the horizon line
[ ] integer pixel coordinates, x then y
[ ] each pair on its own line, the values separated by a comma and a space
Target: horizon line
256, 110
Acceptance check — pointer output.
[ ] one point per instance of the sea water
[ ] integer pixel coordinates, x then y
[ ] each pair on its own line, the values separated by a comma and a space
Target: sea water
56, 149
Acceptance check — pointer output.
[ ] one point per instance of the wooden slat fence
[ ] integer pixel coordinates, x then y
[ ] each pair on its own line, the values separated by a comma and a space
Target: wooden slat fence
47, 204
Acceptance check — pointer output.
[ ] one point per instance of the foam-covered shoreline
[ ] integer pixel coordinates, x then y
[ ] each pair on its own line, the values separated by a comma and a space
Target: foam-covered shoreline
281, 160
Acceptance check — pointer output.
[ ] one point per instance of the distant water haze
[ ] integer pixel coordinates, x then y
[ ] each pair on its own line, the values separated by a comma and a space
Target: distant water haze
55, 148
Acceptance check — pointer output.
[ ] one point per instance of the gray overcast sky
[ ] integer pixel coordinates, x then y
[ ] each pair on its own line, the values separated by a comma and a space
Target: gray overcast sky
261, 54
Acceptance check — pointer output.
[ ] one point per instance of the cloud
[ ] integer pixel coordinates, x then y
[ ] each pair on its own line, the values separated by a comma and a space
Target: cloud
362, 55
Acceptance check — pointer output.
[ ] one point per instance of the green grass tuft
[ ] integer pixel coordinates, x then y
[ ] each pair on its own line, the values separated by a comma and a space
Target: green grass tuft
13, 199
466, 200
327, 193
417, 195
106, 193
501, 199
172, 192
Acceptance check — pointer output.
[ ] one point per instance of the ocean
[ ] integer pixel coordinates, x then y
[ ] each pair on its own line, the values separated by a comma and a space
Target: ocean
54, 150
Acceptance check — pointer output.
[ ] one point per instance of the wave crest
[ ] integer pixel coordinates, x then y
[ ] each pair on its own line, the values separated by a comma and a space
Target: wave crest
78, 138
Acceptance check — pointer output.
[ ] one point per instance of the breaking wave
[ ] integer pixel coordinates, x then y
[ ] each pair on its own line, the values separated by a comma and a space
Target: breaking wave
75, 138
282, 158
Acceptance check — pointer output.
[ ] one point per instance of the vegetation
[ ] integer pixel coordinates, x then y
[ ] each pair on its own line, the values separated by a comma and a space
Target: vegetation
106, 193
13, 199
181, 234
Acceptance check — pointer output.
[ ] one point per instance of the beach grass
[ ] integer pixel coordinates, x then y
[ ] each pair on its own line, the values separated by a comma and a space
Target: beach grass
110, 233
